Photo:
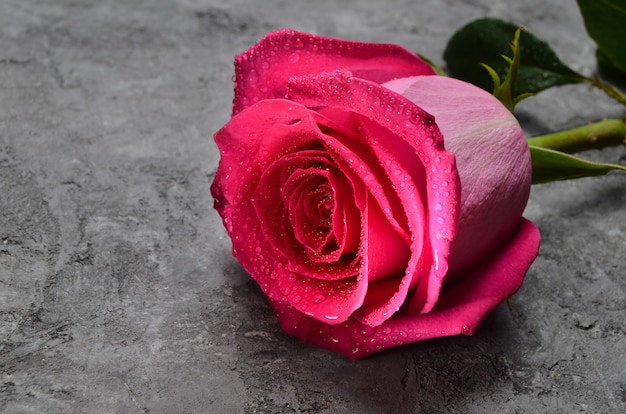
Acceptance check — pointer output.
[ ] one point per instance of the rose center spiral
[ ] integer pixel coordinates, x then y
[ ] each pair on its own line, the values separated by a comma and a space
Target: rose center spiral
320, 206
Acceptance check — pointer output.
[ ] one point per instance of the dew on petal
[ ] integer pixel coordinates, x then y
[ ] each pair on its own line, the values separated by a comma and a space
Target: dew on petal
367, 331
253, 77
319, 298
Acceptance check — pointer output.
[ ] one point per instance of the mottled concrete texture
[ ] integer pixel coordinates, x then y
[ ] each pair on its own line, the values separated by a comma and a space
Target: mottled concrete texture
118, 293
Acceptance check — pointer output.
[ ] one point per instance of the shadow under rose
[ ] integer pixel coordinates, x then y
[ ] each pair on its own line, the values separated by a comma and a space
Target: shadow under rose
282, 374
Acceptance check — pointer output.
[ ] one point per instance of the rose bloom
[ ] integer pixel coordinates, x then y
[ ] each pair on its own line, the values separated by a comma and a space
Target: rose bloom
375, 203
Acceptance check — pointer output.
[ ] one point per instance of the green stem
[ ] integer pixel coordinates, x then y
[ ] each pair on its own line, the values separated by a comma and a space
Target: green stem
608, 89
609, 132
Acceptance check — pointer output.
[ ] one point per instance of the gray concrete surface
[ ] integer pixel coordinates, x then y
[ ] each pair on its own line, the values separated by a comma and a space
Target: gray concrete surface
118, 293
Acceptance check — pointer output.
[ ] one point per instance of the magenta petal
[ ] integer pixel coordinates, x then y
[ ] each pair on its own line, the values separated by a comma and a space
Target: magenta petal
301, 190
262, 71
248, 144
461, 309
366, 175
385, 256
328, 301
409, 134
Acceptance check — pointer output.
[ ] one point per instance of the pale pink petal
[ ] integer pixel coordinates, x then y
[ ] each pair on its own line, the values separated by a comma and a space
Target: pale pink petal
492, 157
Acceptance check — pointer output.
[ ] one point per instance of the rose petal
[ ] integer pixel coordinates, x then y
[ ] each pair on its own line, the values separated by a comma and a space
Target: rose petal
248, 144
385, 256
385, 250
262, 71
410, 132
361, 167
461, 309
275, 201
329, 301
495, 180
298, 190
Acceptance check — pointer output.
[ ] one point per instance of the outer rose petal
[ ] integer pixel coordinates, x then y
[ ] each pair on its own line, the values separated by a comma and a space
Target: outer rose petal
460, 310
492, 158
262, 71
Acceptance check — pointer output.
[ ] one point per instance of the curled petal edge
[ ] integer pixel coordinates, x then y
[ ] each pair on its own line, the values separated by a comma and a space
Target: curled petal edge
262, 71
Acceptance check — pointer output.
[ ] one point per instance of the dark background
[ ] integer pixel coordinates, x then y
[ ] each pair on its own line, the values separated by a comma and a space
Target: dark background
118, 293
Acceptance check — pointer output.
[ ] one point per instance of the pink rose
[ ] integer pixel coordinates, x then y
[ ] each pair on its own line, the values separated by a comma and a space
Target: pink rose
374, 203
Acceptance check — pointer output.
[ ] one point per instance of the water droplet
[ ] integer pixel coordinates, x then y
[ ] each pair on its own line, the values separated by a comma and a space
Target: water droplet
438, 207
253, 77
385, 330
292, 278
367, 331
294, 57
319, 298
296, 299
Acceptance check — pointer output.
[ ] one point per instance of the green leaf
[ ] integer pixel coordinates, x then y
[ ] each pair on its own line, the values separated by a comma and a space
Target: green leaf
485, 41
550, 165
504, 90
605, 21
